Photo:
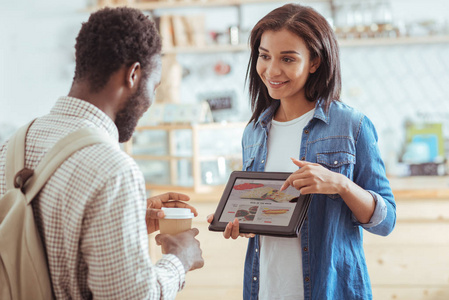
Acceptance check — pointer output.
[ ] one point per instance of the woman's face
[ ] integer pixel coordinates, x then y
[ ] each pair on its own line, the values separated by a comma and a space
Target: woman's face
284, 64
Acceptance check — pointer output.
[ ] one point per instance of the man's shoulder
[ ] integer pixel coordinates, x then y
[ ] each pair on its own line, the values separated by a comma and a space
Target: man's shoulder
102, 157
105, 158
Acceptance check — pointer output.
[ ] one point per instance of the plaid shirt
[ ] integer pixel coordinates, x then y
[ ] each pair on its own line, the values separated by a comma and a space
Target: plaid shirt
91, 214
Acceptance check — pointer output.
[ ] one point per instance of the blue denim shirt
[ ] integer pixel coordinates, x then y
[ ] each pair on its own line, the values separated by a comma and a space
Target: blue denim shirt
344, 141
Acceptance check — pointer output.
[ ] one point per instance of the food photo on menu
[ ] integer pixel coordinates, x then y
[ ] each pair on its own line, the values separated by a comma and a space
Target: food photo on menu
260, 202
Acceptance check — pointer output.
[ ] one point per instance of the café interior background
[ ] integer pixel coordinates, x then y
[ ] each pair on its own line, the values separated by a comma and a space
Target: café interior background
393, 84
399, 79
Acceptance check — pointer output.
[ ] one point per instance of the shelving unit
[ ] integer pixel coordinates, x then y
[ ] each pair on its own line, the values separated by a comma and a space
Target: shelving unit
153, 5
344, 43
196, 158
208, 49
433, 39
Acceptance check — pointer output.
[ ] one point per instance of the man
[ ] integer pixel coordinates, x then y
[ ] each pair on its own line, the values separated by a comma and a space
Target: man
91, 213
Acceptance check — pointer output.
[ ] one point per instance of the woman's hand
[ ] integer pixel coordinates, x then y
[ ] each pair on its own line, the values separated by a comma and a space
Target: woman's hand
232, 229
314, 179
155, 203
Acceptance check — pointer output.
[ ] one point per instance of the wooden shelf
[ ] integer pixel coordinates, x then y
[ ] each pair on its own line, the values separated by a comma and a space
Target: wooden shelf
171, 4
436, 39
224, 125
179, 157
161, 157
204, 190
207, 49
420, 187
344, 43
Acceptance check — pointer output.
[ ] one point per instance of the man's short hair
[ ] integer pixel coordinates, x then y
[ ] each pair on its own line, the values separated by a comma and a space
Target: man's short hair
112, 38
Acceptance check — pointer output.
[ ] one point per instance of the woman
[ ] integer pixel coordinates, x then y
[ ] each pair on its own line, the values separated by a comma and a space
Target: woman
295, 82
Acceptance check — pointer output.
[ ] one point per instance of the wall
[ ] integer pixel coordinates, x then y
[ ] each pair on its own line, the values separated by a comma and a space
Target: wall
388, 83
36, 56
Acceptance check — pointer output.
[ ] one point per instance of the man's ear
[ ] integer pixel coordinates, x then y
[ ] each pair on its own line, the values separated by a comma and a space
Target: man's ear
315, 64
133, 75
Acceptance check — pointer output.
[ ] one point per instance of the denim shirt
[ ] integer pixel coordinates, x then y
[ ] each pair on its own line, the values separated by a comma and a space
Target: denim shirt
344, 141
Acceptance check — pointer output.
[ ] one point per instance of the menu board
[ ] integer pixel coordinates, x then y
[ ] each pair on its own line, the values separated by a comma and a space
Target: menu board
256, 201
260, 202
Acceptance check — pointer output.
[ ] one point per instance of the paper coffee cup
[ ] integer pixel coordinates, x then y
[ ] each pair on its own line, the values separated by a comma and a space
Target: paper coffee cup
176, 220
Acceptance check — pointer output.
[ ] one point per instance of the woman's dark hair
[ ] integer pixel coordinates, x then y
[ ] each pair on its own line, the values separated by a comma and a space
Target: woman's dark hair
111, 38
312, 27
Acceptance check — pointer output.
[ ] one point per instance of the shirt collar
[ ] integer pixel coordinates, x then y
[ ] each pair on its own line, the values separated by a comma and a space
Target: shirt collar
77, 108
320, 113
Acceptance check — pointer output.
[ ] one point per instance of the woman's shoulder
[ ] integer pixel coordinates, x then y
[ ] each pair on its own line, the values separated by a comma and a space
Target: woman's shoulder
340, 112
341, 109
343, 117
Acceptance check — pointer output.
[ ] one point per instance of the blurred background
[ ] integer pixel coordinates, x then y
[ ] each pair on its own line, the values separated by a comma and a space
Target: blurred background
395, 67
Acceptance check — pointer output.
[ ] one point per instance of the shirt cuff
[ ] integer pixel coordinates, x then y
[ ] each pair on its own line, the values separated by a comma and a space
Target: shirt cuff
379, 214
177, 267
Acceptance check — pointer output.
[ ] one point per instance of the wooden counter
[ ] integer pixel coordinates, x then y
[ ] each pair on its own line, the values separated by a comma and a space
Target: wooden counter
420, 187
412, 263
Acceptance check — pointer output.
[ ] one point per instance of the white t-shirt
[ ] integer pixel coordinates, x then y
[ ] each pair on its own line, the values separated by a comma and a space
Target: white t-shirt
281, 275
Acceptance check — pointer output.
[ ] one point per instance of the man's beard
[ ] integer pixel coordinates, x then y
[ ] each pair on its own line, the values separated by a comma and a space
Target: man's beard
127, 118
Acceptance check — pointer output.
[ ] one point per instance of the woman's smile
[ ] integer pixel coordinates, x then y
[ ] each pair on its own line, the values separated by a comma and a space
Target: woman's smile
276, 84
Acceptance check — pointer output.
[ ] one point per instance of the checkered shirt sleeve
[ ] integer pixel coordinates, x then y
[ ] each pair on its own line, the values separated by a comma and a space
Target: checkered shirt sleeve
114, 243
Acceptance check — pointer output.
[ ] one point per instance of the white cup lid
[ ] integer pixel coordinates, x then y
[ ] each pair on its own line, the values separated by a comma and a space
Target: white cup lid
177, 213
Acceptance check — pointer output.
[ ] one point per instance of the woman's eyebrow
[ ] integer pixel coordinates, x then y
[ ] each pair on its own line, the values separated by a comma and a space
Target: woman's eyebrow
290, 51
282, 52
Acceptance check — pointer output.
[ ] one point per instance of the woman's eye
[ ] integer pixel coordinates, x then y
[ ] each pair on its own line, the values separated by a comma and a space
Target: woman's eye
263, 56
287, 59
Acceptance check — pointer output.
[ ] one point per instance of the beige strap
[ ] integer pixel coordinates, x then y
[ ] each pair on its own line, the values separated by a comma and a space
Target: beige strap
52, 159
59, 153
15, 155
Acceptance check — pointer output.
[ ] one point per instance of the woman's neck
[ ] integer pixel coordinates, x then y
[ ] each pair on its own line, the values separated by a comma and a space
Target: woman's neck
290, 110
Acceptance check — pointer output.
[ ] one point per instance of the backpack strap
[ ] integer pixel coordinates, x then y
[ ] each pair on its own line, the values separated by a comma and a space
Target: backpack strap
60, 152
15, 155
63, 149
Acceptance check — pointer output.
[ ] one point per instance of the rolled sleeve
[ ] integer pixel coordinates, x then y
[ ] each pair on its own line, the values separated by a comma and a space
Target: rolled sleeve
379, 214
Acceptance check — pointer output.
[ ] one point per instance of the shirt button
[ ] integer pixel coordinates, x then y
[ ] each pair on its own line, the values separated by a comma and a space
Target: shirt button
306, 131
262, 161
335, 162
305, 249
303, 158
257, 250
255, 278
307, 279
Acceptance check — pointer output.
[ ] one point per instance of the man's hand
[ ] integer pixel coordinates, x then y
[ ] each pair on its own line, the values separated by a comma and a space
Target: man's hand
154, 205
184, 246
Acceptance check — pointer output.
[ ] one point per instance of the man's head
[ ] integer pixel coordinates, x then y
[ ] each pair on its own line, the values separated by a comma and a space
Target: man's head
120, 39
